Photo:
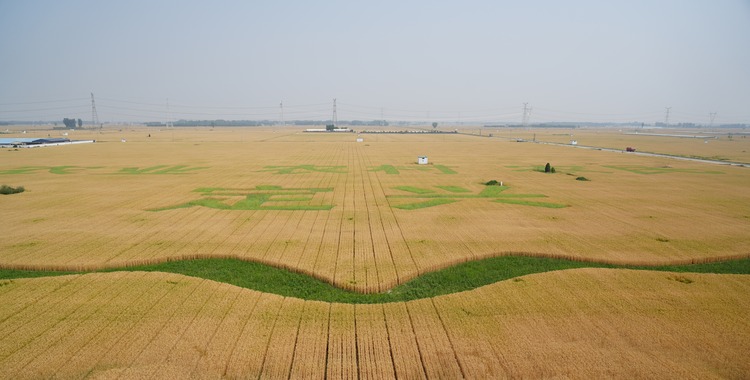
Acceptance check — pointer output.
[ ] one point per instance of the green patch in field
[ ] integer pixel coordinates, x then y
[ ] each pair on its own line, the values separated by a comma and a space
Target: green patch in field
68, 169
388, 169
454, 189
304, 169
425, 204
492, 191
415, 190
292, 199
530, 203
430, 198
24, 170
445, 169
258, 198
462, 277
640, 169
162, 169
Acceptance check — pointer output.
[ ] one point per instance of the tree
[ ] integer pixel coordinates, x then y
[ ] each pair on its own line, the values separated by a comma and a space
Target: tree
547, 168
69, 123
434, 125
80, 123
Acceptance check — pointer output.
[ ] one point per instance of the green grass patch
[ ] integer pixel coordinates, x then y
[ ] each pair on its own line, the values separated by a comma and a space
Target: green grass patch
23, 170
530, 203
454, 189
253, 199
250, 202
290, 199
388, 169
462, 277
61, 169
161, 169
425, 204
304, 169
445, 170
415, 190
492, 191
268, 187
506, 196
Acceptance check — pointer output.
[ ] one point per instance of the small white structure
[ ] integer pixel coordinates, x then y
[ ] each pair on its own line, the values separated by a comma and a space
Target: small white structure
359, 139
573, 142
422, 160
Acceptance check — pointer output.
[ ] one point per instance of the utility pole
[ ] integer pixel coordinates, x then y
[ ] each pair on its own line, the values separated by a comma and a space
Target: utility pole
334, 119
382, 119
169, 117
666, 117
94, 115
281, 106
711, 117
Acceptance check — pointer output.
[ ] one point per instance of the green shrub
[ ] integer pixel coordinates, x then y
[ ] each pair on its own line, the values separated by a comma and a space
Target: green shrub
492, 183
5, 189
582, 179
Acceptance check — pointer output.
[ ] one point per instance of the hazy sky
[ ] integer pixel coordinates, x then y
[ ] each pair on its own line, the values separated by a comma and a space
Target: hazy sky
409, 60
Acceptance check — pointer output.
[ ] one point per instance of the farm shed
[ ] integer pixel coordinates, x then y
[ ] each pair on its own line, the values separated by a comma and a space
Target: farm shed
422, 160
18, 142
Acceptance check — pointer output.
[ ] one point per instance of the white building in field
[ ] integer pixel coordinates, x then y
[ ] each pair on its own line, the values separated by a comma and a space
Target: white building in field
422, 160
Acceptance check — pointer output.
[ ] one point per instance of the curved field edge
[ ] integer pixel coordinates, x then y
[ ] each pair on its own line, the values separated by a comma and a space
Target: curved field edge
461, 277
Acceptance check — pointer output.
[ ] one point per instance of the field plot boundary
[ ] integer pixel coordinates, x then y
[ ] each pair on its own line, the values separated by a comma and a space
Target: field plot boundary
458, 278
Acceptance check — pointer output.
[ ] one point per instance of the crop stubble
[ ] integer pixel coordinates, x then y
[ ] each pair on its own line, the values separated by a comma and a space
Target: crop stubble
573, 323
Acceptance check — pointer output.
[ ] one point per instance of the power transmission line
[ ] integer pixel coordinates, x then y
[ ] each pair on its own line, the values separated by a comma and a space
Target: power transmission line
526, 114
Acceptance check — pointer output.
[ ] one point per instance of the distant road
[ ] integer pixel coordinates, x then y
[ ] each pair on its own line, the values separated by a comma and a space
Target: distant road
707, 161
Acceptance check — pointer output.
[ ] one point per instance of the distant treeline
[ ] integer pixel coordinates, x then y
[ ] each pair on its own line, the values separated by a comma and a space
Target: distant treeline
262, 123
597, 124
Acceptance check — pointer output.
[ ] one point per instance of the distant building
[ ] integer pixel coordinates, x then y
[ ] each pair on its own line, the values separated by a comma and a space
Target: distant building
18, 142
422, 160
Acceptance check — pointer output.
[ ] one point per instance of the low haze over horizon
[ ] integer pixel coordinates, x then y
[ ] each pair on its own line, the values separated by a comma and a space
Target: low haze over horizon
472, 62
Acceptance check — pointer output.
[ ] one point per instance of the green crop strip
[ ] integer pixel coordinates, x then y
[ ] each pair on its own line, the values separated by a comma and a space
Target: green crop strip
639, 169
415, 190
258, 198
162, 169
459, 278
445, 170
530, 203
23, 170
454, 189
429, 203
304, 169
455, 194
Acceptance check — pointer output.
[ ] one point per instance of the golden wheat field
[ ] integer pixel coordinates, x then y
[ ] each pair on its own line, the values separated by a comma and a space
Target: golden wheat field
364, 216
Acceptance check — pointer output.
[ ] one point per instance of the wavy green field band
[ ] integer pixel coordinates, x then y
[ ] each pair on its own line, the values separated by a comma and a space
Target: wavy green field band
462, 277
